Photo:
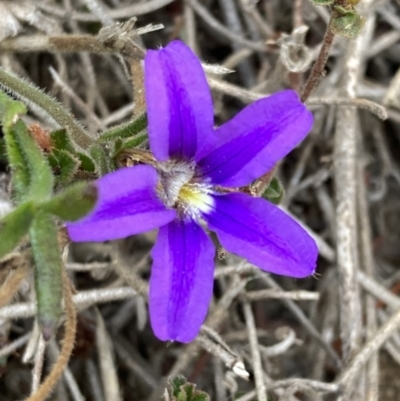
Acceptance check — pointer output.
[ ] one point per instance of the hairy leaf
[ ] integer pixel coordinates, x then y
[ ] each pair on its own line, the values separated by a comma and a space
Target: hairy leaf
275, 191
125, 130
129, 143
67, 165
14, 226
41, 178
74, 202
102, 159
87, 164
9, 112
347, 23
28, 92
179, 389
48, 271
32, 174
60, 140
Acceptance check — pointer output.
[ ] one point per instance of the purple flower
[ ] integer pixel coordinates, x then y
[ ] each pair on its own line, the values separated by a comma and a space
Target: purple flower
195, 180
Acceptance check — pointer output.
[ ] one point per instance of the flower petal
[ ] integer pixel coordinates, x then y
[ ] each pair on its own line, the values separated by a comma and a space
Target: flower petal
181, 281
263, 234
127, 205
179, 104
250, 144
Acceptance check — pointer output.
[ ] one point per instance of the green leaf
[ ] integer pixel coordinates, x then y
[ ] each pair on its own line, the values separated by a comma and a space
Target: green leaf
275, 192
118, 145
347, 23
102, 159
41, 179
47, 272
66, 163
322, 2
87, 164
60, 140
74, 202
9, 112
14, 226
180, 389
125, 130
129, 143
33, 178
135, 141
176, 383
27, 90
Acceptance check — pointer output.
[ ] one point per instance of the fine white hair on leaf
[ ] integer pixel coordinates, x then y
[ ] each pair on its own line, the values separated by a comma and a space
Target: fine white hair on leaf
32, 106
52, 109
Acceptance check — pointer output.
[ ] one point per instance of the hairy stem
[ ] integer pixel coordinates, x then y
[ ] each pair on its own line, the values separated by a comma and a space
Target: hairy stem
138, 85
11, 285
29, 93
68, 345
318, 69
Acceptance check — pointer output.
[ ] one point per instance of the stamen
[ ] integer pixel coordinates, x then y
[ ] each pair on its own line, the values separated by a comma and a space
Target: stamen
196, 198
177, 189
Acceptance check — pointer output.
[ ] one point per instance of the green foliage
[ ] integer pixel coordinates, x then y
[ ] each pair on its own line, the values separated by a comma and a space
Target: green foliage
125, 136
130, 143
74, 202
32, 176
346, 22
33, 182
41, 178
69, 153
47, 271
60, 141
66, 165
65, 160
9, 112
25, 90
275, 192
102, 159
14, 226
179, 389
86, 163
125, 130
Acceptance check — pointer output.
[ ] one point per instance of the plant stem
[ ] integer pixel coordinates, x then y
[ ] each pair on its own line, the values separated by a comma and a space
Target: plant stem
318, 69
32, 95
138, 85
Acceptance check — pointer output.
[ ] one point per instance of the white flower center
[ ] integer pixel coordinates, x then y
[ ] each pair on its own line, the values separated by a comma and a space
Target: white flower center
176, 189
196, 198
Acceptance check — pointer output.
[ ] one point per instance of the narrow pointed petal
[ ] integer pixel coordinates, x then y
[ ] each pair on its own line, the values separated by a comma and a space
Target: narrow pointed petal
181, 281
179, 104
263, 234
127, 205
250, 144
